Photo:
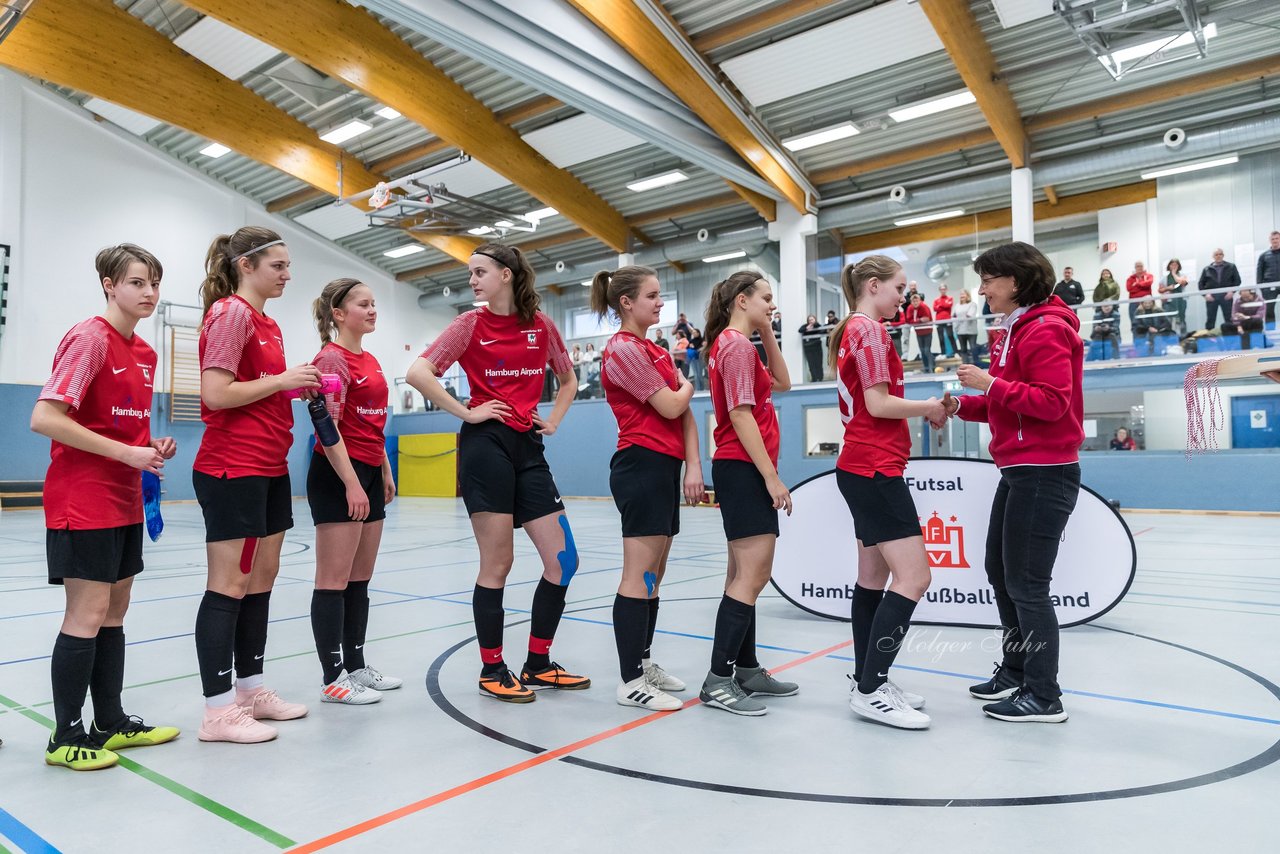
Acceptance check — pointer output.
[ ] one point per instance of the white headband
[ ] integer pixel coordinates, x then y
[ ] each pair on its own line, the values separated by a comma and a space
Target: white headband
256, 249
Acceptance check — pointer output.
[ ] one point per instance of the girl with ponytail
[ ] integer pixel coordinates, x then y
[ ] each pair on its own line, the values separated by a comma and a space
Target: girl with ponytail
504, 347
650, 398
877, 442
241, 478
348, 487
744, 469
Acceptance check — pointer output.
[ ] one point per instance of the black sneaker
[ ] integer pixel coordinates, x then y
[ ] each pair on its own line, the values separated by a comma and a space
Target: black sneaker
1000, 685
1025, 706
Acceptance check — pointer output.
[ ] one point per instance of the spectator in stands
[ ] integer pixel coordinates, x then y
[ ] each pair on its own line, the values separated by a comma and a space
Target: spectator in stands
1106, 328
694, 357
832, 320
683, 325
660, 340
1069, 290
1108, 288
942, 307
1151, 320
812, 334
966, 326
1175, 283
1247, 314
1138, 286
894, 326
1122, 441
1269, 274
1220, 274
681, 352
576, 355
920, 318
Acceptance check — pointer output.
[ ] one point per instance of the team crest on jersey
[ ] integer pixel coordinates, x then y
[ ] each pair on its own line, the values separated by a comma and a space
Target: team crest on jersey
533, 337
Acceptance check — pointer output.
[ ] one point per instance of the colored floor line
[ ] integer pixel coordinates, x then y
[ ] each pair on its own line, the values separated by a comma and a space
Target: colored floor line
511, 770
22, 836
1208, 599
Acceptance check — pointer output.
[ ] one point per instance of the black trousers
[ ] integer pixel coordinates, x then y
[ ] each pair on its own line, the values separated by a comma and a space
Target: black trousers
1029, 514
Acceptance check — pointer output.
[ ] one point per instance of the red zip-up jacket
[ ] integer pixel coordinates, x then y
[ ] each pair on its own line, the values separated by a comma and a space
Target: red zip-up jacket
1035, 406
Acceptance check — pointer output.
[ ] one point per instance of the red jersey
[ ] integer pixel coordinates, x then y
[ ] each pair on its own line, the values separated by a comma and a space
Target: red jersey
359, 406
105, 380
253, 439
866, 358
632, 371
918, 316
738, 378
503, 358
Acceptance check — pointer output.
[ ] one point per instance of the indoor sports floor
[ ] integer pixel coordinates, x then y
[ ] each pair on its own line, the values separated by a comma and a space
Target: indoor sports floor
1171, 746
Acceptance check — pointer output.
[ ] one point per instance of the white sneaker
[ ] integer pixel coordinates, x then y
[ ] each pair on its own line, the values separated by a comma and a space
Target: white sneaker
370, 677
660, 678
349, 692
644, 694
886, 705
913, 699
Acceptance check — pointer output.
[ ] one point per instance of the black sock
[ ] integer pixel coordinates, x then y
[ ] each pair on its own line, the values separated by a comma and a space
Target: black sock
251, 633
888, 629
107, 681
630, 624
71, 667
355, 624
733, 619
548, 605
863, 610
486, 608
216, 622
653, 626
326, 627
747, 652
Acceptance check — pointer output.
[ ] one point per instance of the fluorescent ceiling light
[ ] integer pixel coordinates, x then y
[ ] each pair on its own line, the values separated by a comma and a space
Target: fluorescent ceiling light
504, 223
916, 220
540, 213
928, 108
654, 181
215, 150
480, 229
820, 137
388, 112
1141, 51
1191, 167
407, 249
725, 257
342, 133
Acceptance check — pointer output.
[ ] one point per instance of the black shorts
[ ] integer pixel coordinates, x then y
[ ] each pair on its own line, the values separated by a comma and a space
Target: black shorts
501, 470
745, 506
98, 554
238, 507
327, 494
646, 487
881, 506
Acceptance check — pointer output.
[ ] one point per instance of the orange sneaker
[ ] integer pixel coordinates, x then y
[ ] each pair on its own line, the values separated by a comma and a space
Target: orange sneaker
554, 676
506, 687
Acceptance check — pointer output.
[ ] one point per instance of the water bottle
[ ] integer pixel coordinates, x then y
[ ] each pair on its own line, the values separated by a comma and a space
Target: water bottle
326, 430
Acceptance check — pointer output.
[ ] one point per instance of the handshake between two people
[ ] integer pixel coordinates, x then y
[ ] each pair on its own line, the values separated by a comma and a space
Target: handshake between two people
970, 376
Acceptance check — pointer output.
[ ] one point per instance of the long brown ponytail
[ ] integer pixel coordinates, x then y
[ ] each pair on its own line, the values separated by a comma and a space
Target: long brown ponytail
524, 297
220, 273
723, 296
608, 289
333, 296
853, 278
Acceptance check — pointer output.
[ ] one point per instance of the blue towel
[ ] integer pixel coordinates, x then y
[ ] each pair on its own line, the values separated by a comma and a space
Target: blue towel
151, 505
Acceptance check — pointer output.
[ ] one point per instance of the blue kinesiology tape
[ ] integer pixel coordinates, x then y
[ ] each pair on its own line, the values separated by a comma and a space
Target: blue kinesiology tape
151, 505
650, 581
569, 557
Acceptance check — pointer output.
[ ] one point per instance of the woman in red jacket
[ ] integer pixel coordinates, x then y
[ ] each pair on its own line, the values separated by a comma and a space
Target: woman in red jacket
1034, 403
946, 331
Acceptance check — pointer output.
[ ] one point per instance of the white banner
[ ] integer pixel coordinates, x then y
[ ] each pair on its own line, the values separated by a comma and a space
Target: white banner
816, 564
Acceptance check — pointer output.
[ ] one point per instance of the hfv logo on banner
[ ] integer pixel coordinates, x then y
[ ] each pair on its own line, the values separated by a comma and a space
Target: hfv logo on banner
943, 543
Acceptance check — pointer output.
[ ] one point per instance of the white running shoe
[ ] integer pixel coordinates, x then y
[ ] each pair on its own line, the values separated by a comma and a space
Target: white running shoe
349, 692
886, 705
373, 678
913, 699
660, 678
233, 723
646, 695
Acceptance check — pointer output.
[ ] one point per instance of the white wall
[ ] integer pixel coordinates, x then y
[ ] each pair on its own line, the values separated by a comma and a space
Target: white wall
70, 185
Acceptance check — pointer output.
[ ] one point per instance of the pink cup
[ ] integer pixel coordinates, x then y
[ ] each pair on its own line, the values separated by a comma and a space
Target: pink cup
329, 383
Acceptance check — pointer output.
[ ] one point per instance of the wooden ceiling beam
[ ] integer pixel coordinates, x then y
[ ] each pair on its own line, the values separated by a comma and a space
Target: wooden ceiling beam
765, 206
961, 35
746, 27
351, 45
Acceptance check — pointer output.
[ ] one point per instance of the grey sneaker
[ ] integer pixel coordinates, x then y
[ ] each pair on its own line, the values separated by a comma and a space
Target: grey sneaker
661, 678
724, 692
759, 682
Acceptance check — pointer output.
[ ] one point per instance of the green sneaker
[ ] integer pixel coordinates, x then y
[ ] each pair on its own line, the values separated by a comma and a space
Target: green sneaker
759, 682
131, 733
79, 756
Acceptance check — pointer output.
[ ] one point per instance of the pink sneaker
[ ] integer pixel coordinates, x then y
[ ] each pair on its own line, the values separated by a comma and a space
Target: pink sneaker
233, 723
266, 705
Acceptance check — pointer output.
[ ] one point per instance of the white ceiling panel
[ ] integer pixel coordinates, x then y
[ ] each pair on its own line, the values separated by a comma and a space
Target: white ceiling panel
224, 48
583, 137
121, 116
1014, 12
334, 221
470, 179
877, 38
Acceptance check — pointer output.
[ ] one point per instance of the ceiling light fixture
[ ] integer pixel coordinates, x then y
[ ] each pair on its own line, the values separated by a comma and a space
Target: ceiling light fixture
540, 214
654, 181
342, 133
388, 112
916, 220
407, 249
1114, 62
215, 150
1191, 167
844, 130
725, 257
928, 108
480, 229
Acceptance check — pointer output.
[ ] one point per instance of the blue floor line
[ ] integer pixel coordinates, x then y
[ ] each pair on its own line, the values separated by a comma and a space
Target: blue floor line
24, 837
1207, 599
